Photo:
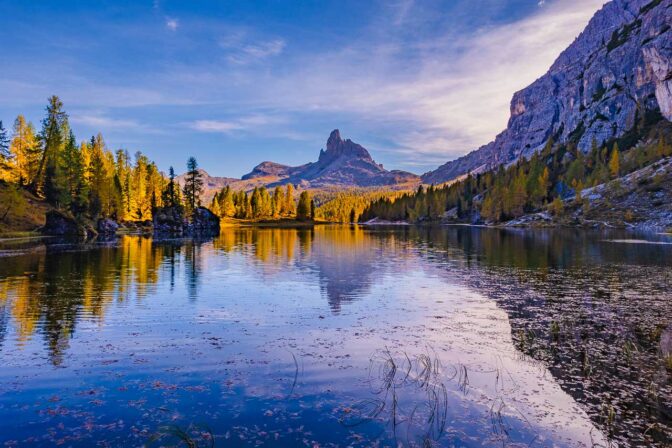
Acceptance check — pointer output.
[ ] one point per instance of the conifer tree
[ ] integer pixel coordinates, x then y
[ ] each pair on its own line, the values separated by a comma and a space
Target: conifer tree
52, 140
4, 153
25, 151
290, 206
303, 209
615, 162
193, 186
171, 190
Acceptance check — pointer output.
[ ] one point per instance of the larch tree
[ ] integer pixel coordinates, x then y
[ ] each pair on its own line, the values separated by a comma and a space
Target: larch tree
615, 161
303, 209
25, 151
290, 207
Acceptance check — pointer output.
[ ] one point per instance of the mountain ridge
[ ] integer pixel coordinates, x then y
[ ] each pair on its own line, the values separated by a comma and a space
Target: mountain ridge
344, 164
614, 73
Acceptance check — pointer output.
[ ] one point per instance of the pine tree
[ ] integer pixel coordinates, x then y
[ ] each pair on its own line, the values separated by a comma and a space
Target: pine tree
170, 193
52, 140
72, 169
5, 155
193, 185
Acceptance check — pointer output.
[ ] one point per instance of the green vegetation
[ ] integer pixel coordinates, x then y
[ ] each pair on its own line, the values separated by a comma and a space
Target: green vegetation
555, 173
649, 6
621, 36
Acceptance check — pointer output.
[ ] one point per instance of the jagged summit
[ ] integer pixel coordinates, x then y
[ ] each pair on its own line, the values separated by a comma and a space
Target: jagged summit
345, 164
617, 72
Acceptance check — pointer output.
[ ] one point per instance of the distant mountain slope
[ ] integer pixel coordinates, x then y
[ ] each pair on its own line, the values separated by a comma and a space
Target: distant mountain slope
344, 164
616, 72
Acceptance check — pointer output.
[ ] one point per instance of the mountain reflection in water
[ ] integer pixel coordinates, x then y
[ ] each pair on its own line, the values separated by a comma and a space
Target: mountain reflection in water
537, 337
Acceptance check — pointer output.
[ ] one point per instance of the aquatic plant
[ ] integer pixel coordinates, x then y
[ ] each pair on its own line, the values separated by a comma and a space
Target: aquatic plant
396, 378
194, 436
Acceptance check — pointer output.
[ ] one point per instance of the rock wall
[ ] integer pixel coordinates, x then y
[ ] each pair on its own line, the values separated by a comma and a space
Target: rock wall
618, 68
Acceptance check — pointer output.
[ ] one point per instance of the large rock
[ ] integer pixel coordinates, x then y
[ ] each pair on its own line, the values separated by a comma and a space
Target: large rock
107, 227
203, 223
616, 71
60, 223
169, 221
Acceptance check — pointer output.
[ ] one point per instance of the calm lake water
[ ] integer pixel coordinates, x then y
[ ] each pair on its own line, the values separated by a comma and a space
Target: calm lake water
339, 336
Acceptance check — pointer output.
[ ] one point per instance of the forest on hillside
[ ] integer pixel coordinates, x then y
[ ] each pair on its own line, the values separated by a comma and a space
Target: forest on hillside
89, 181
542, 181
84, 178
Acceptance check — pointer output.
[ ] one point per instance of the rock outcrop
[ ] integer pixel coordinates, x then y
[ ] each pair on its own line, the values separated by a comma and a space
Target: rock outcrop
616, 72
203, 223
59, 223
170, 221
107, 227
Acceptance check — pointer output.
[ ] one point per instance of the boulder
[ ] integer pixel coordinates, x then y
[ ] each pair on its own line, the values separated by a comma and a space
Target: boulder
169, 221
203, 223
107, 226
59, 223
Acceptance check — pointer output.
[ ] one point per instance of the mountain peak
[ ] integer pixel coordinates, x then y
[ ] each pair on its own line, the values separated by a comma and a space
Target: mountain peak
334, 138
337, 147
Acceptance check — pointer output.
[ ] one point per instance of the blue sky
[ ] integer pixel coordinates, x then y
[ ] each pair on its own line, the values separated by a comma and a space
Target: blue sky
234, 83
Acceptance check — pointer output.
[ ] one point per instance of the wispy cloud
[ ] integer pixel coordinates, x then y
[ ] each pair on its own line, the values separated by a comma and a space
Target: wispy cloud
172, 24
103, 122
244, 49
247, 123
437, 95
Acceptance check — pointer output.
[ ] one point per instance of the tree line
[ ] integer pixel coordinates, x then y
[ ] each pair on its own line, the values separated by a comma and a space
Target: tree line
545, 179
262, 204
86, 178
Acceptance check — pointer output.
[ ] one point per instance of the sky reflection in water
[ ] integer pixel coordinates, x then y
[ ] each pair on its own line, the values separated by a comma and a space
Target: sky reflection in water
339, 336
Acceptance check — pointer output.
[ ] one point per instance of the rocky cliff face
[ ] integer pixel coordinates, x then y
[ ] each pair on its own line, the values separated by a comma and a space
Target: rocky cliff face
615, 72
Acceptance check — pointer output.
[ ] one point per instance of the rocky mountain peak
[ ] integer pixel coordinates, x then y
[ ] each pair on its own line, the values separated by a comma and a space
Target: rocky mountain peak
334, 138
337, 147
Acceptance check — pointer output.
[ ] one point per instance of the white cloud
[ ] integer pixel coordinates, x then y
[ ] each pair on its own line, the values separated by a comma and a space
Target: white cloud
247, 123
102, 122
437, 95
172, 24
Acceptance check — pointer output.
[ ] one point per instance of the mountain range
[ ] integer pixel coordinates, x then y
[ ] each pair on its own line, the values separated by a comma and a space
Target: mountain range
616, 73
344, 164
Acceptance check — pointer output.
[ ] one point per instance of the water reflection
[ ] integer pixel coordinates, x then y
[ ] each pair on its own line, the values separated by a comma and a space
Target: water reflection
597, 314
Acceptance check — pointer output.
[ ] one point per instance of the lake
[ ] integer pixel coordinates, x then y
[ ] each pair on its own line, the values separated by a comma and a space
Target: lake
339, 336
